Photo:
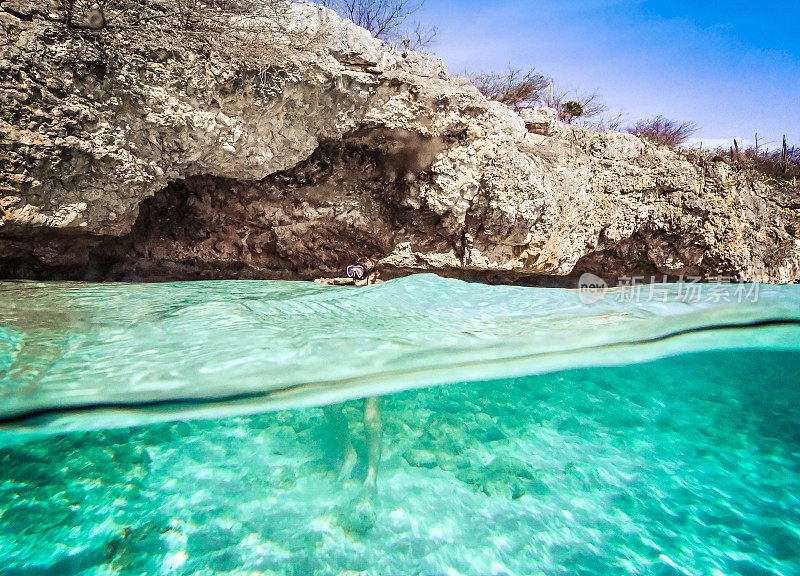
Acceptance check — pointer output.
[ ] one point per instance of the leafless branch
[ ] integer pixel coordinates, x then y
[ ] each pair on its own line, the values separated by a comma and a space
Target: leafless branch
389, 20
664, 131
515, 87
605, 122
590, 103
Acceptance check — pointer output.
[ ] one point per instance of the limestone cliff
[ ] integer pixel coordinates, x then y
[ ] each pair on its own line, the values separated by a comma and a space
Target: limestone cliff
128, 152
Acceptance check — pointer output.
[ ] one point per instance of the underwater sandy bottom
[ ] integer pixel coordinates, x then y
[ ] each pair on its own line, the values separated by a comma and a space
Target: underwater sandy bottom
688, 465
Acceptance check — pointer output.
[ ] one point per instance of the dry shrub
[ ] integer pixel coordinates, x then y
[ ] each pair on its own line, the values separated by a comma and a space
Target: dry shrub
254, 33
515, 88
781, 164
589, 107
664, 131
527, 89
608, 122
388, 20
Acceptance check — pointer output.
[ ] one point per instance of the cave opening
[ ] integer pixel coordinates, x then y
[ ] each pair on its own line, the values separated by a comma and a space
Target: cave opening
344, 201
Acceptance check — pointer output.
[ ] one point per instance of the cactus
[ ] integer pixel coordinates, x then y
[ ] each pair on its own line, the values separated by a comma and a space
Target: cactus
785, 156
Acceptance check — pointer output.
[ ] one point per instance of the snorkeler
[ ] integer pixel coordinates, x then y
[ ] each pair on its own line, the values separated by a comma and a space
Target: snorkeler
363, 273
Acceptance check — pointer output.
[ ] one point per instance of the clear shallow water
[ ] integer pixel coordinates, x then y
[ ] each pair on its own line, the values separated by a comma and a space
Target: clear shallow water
683, 465
71, 352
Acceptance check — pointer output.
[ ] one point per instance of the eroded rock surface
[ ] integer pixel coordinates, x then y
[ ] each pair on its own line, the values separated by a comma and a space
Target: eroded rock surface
125, 154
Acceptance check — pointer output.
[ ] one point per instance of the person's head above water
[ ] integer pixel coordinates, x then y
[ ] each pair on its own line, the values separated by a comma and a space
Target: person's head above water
363, 272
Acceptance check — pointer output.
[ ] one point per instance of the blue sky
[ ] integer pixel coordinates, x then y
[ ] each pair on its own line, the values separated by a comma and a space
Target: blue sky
732, 67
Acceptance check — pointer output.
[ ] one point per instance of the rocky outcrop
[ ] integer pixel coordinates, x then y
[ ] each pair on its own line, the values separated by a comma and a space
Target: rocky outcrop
127, 154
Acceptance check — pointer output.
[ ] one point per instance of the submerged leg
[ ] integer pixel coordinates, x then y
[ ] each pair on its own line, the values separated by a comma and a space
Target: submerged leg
359, 516
372, 429
338, 423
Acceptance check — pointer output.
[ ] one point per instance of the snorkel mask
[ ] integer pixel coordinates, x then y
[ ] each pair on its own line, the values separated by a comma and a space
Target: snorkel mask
359, 271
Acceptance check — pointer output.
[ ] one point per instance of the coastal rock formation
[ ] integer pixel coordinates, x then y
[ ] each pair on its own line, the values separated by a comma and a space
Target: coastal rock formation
125, 154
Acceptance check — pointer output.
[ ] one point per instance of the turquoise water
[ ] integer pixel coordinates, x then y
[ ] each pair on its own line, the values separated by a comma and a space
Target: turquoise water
178, 429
